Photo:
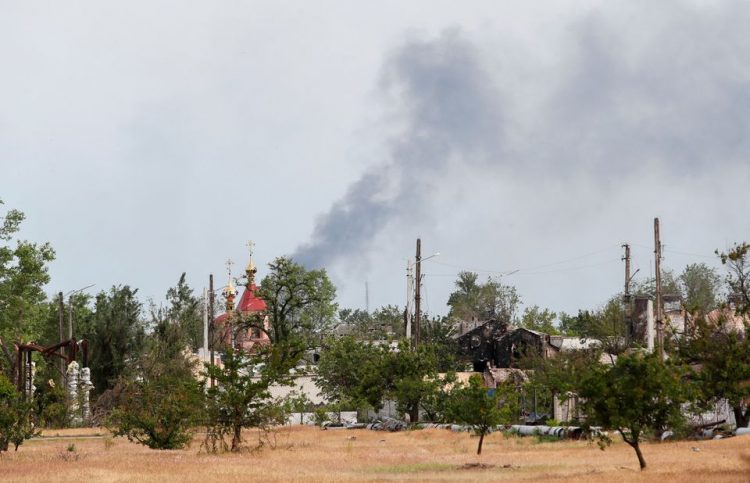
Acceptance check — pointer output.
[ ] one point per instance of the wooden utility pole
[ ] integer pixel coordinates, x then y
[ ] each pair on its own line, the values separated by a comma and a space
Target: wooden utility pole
70, 316
409, 329
417, 290
657, 302
61, 324
627, 270
211, 319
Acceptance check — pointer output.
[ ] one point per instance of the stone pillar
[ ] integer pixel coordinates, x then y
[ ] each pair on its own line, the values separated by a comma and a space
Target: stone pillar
72, 391
30, 387
85, 388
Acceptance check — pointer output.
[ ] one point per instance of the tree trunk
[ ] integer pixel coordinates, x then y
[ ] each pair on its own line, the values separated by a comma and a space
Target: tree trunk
414, 415
481, 440
237, 438
742, 418
638, 453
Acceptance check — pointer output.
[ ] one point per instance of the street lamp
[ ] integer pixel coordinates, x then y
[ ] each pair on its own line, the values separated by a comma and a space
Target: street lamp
70, 307
417, 291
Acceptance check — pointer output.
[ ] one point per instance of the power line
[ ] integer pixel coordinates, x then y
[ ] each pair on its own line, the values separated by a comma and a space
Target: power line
528, 270
521, 272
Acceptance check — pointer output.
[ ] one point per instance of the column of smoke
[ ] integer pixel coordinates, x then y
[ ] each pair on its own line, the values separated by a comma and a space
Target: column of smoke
452, 114
611, 110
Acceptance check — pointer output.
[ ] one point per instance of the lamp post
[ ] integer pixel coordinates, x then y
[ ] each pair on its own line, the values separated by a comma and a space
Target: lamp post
417, 292
70, 307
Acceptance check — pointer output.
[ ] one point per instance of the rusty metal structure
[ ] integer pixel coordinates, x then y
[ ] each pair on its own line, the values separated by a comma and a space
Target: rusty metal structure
66, 350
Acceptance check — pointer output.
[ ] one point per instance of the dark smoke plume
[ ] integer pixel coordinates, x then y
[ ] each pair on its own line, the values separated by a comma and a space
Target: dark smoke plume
452, 114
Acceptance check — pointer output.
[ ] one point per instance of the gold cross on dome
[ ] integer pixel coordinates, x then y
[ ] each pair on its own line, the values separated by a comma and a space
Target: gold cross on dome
250, 247
229, 264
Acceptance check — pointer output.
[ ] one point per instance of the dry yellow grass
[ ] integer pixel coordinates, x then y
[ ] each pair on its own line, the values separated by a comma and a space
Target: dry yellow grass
310, 454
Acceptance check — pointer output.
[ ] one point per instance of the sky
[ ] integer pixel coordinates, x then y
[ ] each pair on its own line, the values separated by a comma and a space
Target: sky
523, 140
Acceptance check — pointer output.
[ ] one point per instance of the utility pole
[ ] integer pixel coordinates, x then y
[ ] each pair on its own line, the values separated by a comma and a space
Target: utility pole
61, 324
205, 325
627, 270
626, 302
70, 316
417, 290
658, 303
409, 299
211, 316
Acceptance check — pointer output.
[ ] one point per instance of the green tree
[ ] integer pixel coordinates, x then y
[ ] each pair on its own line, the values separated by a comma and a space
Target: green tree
352, 372
481, 408
670, 285
473, 300
542, 320
700, 288
117, 335
636, 396
607, 325
16, 423
300, 306
559, 376
183, 309
439, 333
723, 358
23, 274
240, 397
413, 377
160, 400
737, 261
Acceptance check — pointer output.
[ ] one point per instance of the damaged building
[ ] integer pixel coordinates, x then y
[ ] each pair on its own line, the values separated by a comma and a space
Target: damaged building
497, 344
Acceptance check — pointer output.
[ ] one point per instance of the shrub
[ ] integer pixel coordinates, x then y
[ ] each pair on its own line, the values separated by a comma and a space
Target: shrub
159, 414
16, 421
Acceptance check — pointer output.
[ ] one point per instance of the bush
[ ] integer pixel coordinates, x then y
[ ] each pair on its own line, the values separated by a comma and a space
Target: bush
51, 406
16, 421
158, 413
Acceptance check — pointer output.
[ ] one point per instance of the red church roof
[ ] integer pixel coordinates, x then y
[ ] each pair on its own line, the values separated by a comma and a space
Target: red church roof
250, 302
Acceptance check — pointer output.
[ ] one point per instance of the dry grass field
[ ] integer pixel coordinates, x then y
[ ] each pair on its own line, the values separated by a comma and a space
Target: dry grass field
310, 454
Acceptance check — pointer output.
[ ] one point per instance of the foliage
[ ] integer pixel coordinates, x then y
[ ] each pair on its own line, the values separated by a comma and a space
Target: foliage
300, 307
559, 376
606, 325
23, 273
351, 371
117, 335
385, 323
51, 407
361, 374
438, 333
412, 377
299, 403
161, 400
535, 318
16, 421
701, 286
670, 285
475, 301
723, 358
240, 396
737, 260
639, 394
481, 408
183, 309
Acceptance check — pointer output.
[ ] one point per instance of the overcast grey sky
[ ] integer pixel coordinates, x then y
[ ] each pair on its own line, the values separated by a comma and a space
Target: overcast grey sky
144, 139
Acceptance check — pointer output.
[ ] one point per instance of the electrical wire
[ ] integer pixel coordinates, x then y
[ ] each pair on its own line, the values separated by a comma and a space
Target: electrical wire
529, 270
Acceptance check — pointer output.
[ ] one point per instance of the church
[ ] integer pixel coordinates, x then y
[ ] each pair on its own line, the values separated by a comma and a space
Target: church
231, 328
